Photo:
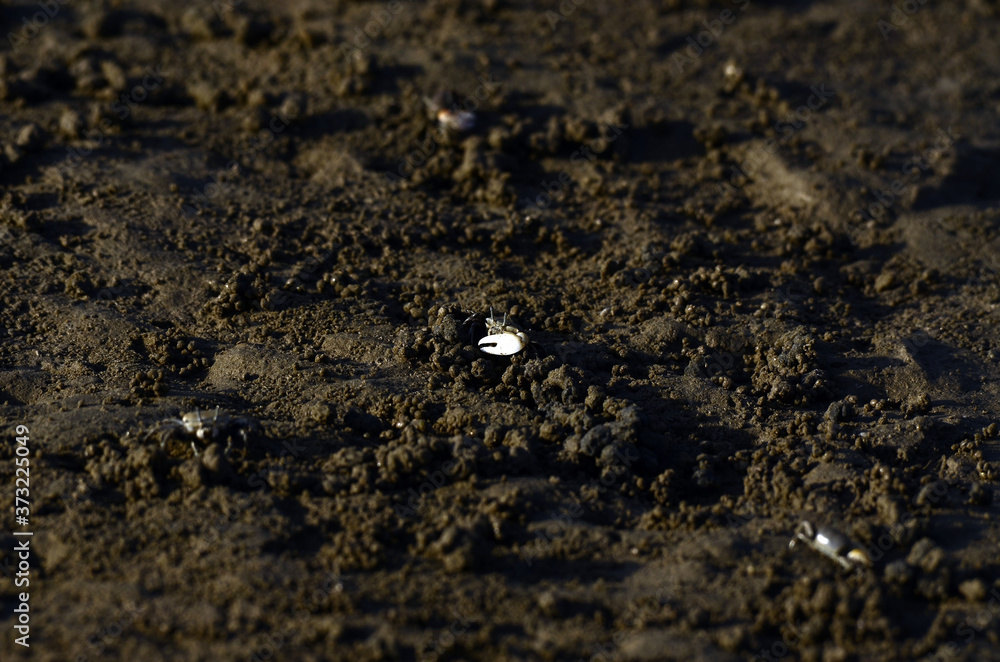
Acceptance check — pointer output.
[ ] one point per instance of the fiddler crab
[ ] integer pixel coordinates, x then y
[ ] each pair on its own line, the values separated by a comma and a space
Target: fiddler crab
503, 338
832, 544
204, 428
447, 113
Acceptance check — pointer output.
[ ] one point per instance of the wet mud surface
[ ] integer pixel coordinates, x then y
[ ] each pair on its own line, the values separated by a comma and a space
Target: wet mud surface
754, 247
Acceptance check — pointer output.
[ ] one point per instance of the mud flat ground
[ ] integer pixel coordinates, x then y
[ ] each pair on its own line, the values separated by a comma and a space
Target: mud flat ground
754, 245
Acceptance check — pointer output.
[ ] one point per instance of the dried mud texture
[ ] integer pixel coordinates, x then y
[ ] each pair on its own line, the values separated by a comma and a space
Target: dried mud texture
755, 246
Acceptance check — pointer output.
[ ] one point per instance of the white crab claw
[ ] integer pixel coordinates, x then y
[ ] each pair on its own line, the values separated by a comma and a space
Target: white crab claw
503, 344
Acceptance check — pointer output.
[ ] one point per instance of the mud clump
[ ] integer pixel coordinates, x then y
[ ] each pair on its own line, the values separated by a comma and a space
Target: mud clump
786, 369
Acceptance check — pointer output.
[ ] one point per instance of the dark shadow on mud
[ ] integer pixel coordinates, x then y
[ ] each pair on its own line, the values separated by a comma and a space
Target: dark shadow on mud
939, 360
387, 80
972, 180
861, 386
542, 569
660, 144
335, 121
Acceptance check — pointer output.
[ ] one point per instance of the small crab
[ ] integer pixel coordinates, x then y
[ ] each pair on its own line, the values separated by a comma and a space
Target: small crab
204, 428
832, 544
502, 338
448, 114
